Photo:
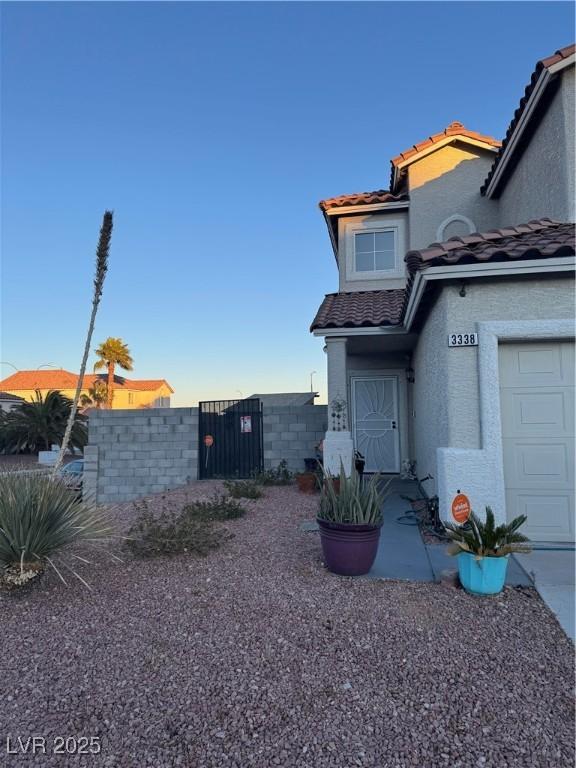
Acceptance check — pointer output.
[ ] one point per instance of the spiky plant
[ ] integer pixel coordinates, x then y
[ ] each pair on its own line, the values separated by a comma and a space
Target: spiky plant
34, 426
39, 517
483, 538
356, 501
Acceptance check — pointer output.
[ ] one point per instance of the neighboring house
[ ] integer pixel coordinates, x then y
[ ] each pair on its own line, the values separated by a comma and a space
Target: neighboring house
493, 416
287, 398
8, 402
128, 393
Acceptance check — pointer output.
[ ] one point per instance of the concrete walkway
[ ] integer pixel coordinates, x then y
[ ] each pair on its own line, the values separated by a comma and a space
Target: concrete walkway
401, 553
552, 571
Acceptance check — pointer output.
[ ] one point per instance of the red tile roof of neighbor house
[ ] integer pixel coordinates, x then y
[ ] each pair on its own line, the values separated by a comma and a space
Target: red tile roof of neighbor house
536, 240
543, 64
61, 379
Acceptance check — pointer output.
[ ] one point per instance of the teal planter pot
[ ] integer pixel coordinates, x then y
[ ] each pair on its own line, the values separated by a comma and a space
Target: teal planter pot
482, 577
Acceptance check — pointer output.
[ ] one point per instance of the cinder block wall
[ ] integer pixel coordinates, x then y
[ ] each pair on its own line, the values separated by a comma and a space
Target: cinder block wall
134, 453
291, 433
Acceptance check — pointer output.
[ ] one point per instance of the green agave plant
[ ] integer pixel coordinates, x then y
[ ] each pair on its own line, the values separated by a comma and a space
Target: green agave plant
39, 517
485, 539
356, 501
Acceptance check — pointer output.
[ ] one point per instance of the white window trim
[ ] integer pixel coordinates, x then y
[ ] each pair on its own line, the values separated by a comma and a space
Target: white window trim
364, 227
456, 217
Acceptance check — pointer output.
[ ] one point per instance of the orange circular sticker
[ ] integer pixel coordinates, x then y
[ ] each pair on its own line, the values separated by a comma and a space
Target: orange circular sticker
208, 441
461, 508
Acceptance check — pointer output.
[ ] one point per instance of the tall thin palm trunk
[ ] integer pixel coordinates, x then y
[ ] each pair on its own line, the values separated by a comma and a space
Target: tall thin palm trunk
110, 392
102, 252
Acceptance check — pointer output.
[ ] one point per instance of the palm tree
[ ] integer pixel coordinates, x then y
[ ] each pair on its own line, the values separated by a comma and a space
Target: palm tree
111, 353
35, 426
97, 394
102, 252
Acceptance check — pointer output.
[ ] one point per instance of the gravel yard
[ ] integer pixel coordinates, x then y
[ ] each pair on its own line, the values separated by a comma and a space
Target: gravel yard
255, 656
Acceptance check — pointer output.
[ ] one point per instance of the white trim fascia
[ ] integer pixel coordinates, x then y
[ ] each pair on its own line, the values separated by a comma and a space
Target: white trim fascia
486, 269
535, 96
382, 330
345, 209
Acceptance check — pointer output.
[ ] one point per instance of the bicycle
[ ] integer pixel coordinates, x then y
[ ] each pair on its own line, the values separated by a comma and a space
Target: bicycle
427, 513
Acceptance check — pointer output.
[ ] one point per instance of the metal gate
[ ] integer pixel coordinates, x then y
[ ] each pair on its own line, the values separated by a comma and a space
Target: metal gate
230, 438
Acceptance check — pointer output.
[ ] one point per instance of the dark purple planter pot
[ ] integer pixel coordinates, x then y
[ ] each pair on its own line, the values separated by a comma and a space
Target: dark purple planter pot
349, 549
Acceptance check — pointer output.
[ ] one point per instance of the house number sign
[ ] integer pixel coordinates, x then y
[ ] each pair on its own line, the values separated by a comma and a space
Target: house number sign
463, 340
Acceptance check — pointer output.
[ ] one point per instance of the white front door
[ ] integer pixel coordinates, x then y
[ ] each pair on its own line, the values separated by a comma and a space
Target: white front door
537, 404
375, 414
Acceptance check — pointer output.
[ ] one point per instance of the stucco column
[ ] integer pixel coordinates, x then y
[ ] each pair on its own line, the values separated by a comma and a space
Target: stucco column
338, 445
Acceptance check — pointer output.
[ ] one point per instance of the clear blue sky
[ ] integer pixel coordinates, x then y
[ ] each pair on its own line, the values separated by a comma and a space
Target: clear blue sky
213, 130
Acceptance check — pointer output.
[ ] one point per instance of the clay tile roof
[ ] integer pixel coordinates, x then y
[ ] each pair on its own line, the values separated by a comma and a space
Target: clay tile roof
61, 379
539, 239
361, 198
360, 309
54, 379
454, 129
8, 396
560, 55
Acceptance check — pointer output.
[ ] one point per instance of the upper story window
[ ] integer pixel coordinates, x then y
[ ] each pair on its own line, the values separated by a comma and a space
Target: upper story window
375, 251
371, 250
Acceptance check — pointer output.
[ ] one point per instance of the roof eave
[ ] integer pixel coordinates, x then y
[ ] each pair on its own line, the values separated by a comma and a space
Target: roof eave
497, 177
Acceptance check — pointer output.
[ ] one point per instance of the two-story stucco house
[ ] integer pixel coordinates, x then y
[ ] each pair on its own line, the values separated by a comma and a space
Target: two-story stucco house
128, 393
451, 338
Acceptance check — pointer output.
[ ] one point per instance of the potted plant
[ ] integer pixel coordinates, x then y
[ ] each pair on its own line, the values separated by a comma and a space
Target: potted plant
350, 521
307, 481
483, 550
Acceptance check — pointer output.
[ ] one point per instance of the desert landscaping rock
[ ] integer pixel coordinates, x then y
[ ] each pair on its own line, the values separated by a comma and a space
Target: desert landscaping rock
256, 656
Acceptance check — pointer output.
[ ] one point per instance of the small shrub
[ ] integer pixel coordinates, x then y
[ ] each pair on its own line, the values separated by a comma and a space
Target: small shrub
243, 489
218, 508
173, 534
280, 475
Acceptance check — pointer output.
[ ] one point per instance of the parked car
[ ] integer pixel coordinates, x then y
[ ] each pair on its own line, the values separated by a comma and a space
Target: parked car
72, 474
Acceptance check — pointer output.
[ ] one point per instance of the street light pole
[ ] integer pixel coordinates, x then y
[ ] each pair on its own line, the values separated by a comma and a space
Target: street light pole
311, 380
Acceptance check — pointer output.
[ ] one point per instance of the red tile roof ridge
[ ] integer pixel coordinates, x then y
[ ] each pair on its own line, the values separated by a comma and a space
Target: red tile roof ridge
456, 128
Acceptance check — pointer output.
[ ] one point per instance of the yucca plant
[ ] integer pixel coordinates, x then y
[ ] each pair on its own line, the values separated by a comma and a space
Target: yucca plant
486, 539
356, 501
39, 517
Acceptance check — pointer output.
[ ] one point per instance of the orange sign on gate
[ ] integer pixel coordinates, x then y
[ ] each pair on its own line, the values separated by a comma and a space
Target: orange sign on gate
208, 441
461, 508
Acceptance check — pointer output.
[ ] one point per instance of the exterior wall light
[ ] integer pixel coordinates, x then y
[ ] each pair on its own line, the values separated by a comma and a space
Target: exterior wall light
410, 375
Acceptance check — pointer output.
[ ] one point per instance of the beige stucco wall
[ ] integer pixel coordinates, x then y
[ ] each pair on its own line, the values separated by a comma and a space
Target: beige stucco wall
542, 183
543, 299
446, 407
429, 408
446, 183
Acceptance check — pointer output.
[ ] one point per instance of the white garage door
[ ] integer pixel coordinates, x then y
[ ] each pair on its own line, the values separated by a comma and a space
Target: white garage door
537, 402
